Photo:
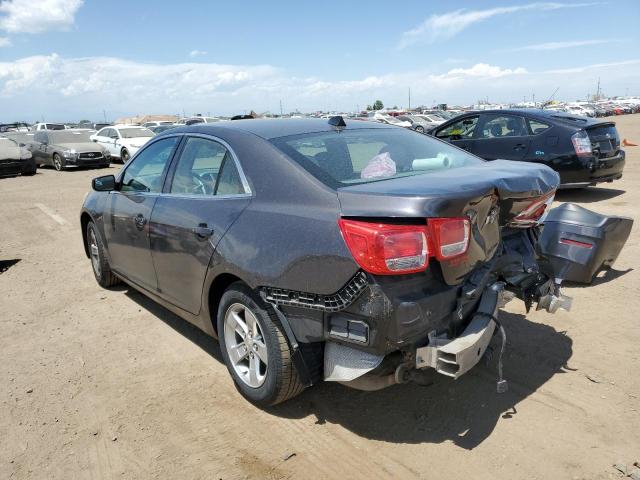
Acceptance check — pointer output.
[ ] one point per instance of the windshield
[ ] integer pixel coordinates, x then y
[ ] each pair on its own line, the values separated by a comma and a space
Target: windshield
68, 136
135, 132
351, 157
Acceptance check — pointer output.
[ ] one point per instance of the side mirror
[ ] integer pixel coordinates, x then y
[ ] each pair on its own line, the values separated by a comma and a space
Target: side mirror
106, 183
94, 140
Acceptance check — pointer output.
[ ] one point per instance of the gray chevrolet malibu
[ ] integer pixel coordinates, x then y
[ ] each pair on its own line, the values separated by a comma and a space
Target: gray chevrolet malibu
317, 250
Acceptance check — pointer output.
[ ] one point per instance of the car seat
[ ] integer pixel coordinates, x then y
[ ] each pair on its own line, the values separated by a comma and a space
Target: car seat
514, 127
496, 130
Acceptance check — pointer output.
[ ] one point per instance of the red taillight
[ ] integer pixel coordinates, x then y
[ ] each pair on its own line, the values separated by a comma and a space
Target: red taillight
533, 214
581, 143
450, 236
385, 249
575, 243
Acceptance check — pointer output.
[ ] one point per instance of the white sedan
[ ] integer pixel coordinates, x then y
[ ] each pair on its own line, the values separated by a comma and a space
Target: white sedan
122, 141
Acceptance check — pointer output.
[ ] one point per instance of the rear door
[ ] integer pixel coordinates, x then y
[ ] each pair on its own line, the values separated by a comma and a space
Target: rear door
128, 211
37, 147
206, 193
460, 133
502, 136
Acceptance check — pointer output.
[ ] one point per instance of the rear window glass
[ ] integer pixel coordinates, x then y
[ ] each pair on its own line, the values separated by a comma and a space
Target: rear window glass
536, 127
351, 157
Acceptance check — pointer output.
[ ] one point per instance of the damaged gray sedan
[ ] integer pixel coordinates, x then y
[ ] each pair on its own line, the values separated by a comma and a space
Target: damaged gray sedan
338, 251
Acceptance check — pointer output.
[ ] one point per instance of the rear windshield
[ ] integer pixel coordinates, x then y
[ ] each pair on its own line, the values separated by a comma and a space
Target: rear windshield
350, 157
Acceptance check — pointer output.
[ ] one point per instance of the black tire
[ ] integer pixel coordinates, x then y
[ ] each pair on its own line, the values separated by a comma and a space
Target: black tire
58, 162
124, 155
100, 265
282, 381
30, 170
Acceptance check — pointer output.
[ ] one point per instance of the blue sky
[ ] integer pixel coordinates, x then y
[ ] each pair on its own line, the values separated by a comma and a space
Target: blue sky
71, 59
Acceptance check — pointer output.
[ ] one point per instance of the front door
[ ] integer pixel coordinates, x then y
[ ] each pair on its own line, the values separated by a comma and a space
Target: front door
129, 209
501, 136
460, 133
206, 194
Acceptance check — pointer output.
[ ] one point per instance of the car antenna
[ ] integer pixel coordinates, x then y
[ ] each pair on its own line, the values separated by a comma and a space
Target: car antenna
337, 121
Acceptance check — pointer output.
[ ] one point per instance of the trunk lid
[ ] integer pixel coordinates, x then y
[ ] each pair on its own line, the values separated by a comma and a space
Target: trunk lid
605, 141
490, 194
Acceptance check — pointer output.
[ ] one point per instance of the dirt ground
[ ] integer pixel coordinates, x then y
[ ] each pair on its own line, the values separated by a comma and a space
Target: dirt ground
106, 384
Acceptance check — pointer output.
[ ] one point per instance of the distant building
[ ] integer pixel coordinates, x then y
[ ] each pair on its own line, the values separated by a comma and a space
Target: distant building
140, 119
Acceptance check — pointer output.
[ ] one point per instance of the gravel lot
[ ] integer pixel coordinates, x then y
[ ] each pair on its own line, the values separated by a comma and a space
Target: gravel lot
106, 384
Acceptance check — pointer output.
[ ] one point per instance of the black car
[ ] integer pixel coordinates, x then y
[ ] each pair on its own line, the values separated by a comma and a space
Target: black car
584, 151
64, 148
15, 158
346, 251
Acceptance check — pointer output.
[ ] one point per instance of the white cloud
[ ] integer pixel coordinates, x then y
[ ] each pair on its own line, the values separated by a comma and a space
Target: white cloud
65, 89
4, 42
444, 26
37, 16
197, 53
558, 45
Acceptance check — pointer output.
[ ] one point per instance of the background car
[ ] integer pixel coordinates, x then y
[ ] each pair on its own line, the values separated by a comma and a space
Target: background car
584, 151
418, 123
162, 128
197, 119
64, 148
47, 126
14, 127
156, 124
122, 141
15, 158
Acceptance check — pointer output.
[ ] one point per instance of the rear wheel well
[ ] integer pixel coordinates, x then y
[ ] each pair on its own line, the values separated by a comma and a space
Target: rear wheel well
85, 218
217, 289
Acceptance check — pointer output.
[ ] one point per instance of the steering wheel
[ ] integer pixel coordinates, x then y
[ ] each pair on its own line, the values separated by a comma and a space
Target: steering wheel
199, 188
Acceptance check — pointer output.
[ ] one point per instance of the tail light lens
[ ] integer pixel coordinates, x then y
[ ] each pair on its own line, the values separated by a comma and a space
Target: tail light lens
534, 213
576, 243
387, 249
581, 143
384, 249
450, 236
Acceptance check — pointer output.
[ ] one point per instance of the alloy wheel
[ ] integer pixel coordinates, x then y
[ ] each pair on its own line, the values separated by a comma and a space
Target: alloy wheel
245, 345
94, 252
57, 162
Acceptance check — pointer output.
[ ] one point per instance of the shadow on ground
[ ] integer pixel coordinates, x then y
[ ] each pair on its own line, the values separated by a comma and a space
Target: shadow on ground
7, 264
463, 411
587, 195
604, 276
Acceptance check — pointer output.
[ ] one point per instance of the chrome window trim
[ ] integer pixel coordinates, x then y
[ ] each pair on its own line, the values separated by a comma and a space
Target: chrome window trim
243, 179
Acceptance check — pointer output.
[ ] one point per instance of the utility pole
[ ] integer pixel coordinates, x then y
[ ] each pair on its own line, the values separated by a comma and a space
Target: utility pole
409, 98
104, 114
598, 90
280, 107
533, 99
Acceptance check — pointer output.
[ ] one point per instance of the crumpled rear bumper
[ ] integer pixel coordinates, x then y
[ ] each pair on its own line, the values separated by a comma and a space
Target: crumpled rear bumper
455, 357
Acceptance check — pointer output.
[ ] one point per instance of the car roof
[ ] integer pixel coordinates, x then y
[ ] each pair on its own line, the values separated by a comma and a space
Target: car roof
278, 127
549, 115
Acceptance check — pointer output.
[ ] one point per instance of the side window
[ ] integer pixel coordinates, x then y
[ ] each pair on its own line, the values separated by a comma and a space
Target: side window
461, 129
503, 126
40, 137
198, 167
104, 132
229, 182
145, 172
536, 127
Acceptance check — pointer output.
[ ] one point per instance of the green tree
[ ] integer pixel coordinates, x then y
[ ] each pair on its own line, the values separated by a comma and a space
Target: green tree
378, 105
369, 107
